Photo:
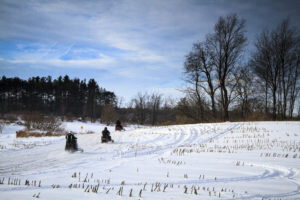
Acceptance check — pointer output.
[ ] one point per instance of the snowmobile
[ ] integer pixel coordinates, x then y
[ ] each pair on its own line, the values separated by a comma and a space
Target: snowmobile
106, 139
71, 143
106, 136
118, 126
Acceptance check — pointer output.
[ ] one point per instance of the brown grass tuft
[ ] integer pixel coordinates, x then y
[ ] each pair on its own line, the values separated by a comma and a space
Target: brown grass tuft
25, 134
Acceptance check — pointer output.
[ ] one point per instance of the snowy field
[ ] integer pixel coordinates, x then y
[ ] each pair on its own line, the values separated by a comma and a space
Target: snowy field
252, 160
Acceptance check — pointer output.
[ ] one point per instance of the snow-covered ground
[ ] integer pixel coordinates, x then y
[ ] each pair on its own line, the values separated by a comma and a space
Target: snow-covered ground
252, 160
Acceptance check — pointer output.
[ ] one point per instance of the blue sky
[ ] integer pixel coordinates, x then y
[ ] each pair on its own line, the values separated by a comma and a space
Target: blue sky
127, 46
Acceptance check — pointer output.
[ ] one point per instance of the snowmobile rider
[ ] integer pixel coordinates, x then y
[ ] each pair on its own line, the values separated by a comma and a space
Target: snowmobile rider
71, 141
118, 127
70, 137
106, 134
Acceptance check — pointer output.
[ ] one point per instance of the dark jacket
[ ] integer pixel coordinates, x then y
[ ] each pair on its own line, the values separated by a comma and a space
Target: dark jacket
70, 137
105, 133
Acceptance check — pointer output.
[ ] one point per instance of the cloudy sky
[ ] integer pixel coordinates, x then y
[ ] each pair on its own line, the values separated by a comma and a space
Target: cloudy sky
127, 46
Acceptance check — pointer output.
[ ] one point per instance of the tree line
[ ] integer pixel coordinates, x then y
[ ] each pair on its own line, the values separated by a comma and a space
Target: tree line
39, 99
225, 85
62, 96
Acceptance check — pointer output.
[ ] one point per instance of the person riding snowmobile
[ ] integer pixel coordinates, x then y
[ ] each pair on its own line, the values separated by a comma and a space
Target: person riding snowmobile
118, 127
71, 142
106, 135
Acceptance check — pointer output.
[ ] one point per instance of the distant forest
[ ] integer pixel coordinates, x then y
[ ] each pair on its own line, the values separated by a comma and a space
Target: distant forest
61, 96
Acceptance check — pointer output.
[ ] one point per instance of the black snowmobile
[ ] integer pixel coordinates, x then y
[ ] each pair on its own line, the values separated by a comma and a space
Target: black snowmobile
71, 143
106, 136
119, 126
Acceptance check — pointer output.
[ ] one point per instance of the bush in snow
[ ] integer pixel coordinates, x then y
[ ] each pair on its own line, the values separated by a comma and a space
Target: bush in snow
10, 117
23, 133
36, 120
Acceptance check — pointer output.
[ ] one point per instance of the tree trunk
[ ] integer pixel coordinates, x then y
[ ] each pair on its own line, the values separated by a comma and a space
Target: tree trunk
213, 106
226, 112
266, 100
274, 105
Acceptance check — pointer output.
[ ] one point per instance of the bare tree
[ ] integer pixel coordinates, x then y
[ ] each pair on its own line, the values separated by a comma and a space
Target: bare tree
139, 103
295, 86
266, 66
225, 47
262, 62
275, 61
288, 43
192, 71
189, 107
245, 90
154, 104
199, 72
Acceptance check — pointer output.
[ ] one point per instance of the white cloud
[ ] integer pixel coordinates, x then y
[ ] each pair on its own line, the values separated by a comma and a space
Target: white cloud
102, 63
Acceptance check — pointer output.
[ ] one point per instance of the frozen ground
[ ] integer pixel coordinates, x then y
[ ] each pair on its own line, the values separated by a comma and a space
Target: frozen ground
254, 160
